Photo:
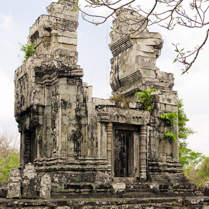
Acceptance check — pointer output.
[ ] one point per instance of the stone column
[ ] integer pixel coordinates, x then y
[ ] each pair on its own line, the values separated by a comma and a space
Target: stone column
109, 143
175, 150
143, 153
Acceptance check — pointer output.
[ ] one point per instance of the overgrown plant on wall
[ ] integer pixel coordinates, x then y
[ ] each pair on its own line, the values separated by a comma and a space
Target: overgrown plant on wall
120, 100
170, 135
29, 50
169, 120
145, 98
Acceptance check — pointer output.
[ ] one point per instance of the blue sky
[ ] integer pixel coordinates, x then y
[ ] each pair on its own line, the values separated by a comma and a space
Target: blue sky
94, 57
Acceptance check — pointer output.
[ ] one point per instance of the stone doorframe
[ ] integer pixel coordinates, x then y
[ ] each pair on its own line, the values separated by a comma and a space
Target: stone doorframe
141, 151
126, 117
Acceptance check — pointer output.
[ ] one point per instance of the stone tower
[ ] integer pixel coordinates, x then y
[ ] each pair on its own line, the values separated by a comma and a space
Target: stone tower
49, 100
76, 146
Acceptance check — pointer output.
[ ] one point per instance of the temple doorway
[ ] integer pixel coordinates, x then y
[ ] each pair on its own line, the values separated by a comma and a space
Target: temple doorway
123, 153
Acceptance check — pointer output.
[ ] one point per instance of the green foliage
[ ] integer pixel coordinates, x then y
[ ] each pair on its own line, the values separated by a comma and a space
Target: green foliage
184, 131
121, 101
195, 164
192, 175
29, 50
198, 174
6, 164
168, 118
170, 135
188, 157
145, 98
9, 157
203, 170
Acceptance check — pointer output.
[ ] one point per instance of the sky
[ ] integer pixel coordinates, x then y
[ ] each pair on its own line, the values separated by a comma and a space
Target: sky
94, 57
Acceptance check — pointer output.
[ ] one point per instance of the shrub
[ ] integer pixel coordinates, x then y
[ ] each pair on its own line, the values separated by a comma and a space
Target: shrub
29, 50
145, 98
168, 118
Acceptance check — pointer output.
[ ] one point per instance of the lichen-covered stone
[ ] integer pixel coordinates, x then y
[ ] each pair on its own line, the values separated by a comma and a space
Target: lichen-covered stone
14, 184
45, 186
29, 182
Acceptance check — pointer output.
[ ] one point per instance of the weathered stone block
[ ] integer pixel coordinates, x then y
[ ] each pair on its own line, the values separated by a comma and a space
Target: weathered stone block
29, 183
119, 187
148, 73
66, 40
14, 184
45, 187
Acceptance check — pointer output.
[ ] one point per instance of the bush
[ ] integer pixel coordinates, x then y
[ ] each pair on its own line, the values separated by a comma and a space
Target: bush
9, 158
145, 98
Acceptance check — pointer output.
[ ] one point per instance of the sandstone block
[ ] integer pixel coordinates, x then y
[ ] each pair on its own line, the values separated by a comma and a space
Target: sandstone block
14, 184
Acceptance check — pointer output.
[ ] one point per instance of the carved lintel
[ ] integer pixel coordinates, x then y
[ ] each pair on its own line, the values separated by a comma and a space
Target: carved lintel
119, 115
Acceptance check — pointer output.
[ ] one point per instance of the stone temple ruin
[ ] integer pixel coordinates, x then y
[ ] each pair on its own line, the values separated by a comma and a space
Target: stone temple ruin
78, 151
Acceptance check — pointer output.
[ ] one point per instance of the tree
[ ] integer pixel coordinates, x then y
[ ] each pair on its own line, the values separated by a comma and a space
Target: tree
187, 157
168, 14
195, 164
9, 157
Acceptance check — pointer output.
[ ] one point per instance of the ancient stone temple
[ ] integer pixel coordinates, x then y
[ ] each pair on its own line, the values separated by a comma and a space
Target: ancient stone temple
78, 151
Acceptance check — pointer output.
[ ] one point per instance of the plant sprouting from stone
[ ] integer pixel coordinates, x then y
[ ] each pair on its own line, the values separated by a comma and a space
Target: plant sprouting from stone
29, 50
145, 98
120, 100
170, 135
76, 8
169, 118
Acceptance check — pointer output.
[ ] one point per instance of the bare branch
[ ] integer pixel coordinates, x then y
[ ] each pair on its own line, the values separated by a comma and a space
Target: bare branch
166, 13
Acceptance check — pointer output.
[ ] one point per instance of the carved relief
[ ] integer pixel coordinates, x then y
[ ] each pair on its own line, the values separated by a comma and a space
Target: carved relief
54, 111
22, 92
76, 138
114, 75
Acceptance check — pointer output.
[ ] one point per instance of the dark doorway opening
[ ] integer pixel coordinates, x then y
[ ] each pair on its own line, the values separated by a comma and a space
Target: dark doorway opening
123, 153
30, 148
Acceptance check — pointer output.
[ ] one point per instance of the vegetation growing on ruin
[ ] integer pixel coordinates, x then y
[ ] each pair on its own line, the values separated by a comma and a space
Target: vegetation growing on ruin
170, 135
184, 131
29, 50
145, 98
120, 100
169, 118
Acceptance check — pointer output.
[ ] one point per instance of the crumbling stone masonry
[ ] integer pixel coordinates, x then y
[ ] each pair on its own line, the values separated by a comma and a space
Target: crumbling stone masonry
83, 152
